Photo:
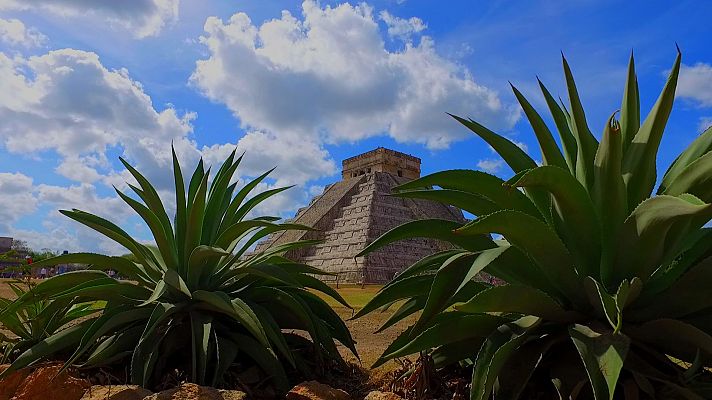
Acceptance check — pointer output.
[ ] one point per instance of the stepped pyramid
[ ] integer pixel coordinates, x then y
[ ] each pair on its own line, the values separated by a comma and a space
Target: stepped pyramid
353, 212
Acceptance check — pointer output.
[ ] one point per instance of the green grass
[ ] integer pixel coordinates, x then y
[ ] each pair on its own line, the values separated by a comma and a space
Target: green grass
356, 296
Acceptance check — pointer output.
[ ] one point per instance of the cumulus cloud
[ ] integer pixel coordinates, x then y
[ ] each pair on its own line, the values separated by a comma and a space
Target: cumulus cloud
402, 28
142, 17
695, 83
490, 165
15, 33
328, 77
17, 199
297, 161
68, 102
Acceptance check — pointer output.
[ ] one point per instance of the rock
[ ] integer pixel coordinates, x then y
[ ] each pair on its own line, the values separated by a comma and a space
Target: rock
116, 392
44, 383
191, 391
9, 384
314, 390
378, 395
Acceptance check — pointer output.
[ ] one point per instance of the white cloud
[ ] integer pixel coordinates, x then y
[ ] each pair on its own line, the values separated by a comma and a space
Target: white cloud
68, 102
400, 27
297, 161
142, 17
695, 82
490, 165
328, 77
14, 32
17, 199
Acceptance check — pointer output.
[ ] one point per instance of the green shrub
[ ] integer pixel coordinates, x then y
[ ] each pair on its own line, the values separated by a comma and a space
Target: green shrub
197, 299
607, 282
36, 320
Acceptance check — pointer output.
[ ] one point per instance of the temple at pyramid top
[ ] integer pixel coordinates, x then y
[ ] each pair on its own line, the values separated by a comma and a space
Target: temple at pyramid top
381, 160
353, 212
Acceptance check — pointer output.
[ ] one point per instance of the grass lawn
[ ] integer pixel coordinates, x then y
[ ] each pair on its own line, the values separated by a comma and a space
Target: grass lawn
356, 296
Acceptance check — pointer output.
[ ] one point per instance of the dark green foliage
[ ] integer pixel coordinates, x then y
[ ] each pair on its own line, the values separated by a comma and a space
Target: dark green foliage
607, 292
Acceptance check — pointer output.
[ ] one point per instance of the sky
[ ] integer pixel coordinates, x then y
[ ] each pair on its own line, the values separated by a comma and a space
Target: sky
301, 86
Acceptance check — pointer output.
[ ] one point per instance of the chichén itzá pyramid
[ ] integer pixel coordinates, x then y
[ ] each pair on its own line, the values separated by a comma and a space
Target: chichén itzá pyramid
353, 212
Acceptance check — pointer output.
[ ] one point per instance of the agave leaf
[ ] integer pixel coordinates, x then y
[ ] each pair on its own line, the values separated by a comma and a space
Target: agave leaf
586, 143
273, 332
516, 158
549, 149
639, 162
109, 321
685, 296
161, 236
324, 315
495, 352
458, 352
150, 196
316, 284
227, 352
580, 225
675, 337
196, 215
406, 288
451, 276
473, 203
699, 147
409, 307
603, 356
429, 228
426, 264
630, 108
158, 291
235, 308
175, 281
603, 302
257, 199
699, 247
113, 232
568, 141
236, 202
61, 340
181, 215
101, 262
264, 357
450, 327
695, 179
515, 374
641, 242
477, 183
114, 347
538, 241
218, 195
199, 257
517, 299
201, 327
609, 193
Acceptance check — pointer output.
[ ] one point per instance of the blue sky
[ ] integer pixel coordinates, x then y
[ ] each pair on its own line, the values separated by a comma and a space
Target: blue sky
302, 86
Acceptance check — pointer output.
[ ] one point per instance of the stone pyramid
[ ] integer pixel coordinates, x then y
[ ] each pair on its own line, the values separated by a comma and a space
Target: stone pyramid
352, 213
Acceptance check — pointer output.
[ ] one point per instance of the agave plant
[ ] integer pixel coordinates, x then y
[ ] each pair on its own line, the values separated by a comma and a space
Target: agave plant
36, 320
607, 281
198, 300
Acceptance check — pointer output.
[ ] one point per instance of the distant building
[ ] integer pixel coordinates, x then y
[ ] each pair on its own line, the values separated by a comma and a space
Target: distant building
352, 213
5, 244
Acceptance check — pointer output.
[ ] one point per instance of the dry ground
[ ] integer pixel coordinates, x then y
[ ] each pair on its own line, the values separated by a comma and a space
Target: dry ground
368, 344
